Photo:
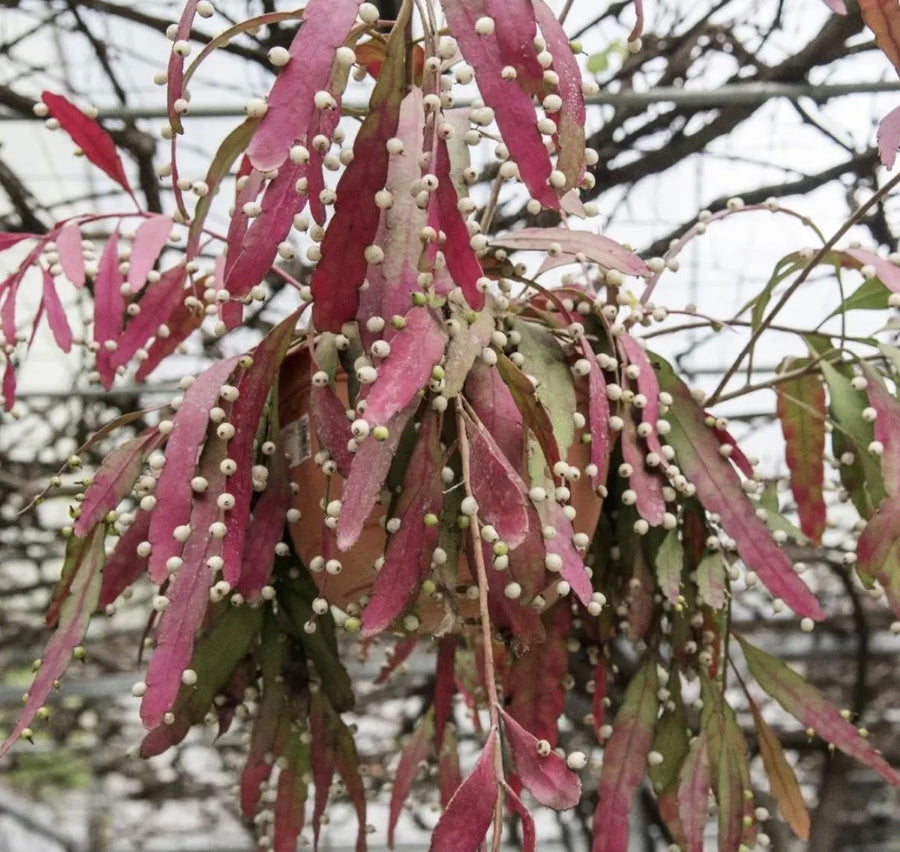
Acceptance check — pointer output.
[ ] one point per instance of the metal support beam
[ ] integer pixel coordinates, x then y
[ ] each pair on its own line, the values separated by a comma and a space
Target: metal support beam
729, 95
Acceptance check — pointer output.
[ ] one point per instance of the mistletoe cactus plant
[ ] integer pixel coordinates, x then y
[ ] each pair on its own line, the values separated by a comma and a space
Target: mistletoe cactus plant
435, 451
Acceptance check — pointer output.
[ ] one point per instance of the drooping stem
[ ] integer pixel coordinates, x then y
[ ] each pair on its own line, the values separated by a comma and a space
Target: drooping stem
700, 228
711, 323
490, 680
813, 262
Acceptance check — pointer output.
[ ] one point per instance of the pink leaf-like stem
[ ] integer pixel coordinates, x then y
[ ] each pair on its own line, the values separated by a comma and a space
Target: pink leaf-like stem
365, 482
694, 781
157, 304
888, 138
151, 238
414, 754
625, 760
467, 818
188, 594
254, 388
719, 490
571, 117
545, 776
408, 555
173, 490
513, 108
291, 102
444, 215
71, 254
602, 250
496, 486
108, 307
340, 273
252, 251
124, 566
88, 135
415, 350
114, 480
74, 616
56, 313
644, 480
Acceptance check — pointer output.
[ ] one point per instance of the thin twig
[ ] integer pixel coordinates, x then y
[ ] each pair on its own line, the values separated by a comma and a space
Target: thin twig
486, 635
487, 217
769, 384
100, 49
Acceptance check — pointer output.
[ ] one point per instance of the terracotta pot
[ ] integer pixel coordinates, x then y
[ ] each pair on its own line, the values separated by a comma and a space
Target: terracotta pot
311, 485
313, 489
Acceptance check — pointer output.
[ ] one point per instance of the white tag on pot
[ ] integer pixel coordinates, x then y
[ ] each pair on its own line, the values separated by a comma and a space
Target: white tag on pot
296, 442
